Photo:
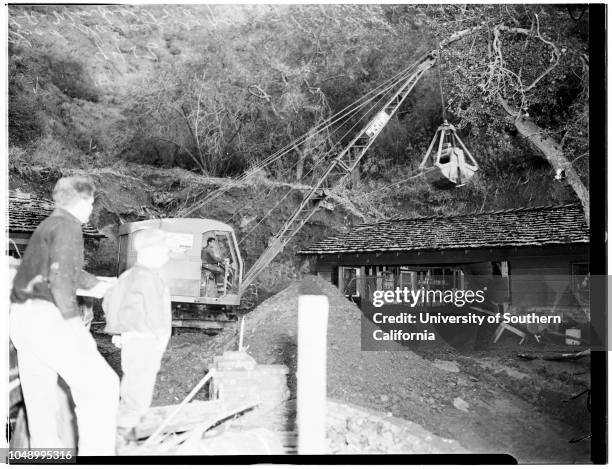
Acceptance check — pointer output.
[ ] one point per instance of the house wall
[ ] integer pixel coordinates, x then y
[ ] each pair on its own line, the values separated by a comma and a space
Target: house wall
546, 280
539, 278
21, 241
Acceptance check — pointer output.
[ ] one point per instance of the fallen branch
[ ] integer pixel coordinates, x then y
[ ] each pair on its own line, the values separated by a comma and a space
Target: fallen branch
461, 34
552, 151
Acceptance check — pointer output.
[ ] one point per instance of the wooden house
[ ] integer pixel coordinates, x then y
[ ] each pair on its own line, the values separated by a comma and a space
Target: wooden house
527, 259
25, 213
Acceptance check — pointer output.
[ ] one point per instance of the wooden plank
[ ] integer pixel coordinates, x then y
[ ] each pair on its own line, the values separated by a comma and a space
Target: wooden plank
190, 416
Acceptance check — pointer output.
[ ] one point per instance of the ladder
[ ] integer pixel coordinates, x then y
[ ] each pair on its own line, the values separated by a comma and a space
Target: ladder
340, 167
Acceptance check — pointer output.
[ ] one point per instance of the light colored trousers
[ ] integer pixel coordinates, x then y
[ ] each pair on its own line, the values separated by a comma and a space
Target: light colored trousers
141, 356
48, 345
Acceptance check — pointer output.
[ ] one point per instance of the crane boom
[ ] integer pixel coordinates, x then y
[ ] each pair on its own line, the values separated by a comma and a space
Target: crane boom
339, 168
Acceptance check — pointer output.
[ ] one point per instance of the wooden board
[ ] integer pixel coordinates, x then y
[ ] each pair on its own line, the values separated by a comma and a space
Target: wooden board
190, 416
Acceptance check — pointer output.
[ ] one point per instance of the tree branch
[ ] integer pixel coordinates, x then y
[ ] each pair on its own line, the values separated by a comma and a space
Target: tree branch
552, 151
183, 114
461, 34
555, 54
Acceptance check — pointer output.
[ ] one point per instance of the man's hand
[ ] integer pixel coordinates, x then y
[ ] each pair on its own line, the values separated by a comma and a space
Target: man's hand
116, 340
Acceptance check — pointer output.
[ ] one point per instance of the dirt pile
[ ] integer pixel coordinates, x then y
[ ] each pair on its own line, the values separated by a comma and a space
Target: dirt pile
399, 382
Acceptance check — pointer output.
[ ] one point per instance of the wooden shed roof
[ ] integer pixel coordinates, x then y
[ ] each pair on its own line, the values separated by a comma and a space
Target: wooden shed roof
26, 212
523, 227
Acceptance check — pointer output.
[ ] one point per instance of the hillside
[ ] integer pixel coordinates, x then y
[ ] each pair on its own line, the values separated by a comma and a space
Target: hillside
162, 104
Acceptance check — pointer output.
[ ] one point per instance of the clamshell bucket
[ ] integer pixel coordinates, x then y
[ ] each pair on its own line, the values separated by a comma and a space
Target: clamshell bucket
452, 165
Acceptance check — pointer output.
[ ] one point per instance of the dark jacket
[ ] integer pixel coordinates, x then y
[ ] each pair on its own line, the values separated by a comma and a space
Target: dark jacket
52, 265
209, 256
138, 302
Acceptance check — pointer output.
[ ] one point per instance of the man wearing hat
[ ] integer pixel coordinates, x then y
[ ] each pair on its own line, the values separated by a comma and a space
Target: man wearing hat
138, 314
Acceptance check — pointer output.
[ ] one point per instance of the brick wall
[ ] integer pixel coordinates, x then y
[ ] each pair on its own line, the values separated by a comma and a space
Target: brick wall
239, 379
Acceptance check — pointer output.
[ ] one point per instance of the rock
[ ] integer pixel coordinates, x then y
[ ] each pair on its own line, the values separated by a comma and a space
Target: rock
446, 365
515, 373
461, 404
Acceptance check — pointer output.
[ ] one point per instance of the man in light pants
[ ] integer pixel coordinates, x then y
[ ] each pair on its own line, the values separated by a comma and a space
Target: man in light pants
48, 332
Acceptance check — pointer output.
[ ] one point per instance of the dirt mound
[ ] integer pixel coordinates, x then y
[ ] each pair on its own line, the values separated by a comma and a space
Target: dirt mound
399, 382
395, 381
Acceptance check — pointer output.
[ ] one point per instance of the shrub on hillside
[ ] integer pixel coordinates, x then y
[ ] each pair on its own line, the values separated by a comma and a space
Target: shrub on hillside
25, 125
143, 150
53, 152
71, 79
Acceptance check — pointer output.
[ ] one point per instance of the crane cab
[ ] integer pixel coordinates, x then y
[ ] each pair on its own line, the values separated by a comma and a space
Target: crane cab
202, 296
451, 165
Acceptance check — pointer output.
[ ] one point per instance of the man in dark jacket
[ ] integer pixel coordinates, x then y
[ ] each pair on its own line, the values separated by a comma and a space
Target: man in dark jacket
138, 309
48, 332
212, 262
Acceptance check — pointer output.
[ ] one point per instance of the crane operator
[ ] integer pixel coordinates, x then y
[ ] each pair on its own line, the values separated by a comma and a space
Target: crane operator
214, 263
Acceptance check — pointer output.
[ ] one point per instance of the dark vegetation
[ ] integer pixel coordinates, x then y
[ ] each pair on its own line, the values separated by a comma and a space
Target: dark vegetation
215, 89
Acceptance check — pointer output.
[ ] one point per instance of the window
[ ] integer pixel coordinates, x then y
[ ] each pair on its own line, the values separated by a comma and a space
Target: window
225, 271
349, 281
431, 278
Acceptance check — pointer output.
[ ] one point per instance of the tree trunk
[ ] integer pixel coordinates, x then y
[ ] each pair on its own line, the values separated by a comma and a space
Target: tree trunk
551, 149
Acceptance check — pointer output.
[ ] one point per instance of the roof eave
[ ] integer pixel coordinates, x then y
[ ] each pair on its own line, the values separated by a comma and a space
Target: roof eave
441, 248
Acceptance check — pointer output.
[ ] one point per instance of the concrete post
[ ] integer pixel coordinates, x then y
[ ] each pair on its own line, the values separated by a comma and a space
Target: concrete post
312, 374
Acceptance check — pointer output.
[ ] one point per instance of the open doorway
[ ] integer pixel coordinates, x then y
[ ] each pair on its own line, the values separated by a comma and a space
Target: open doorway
218, 264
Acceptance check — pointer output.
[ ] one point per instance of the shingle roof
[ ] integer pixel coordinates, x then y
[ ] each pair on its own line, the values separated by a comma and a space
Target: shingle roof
537, 226
26, 212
